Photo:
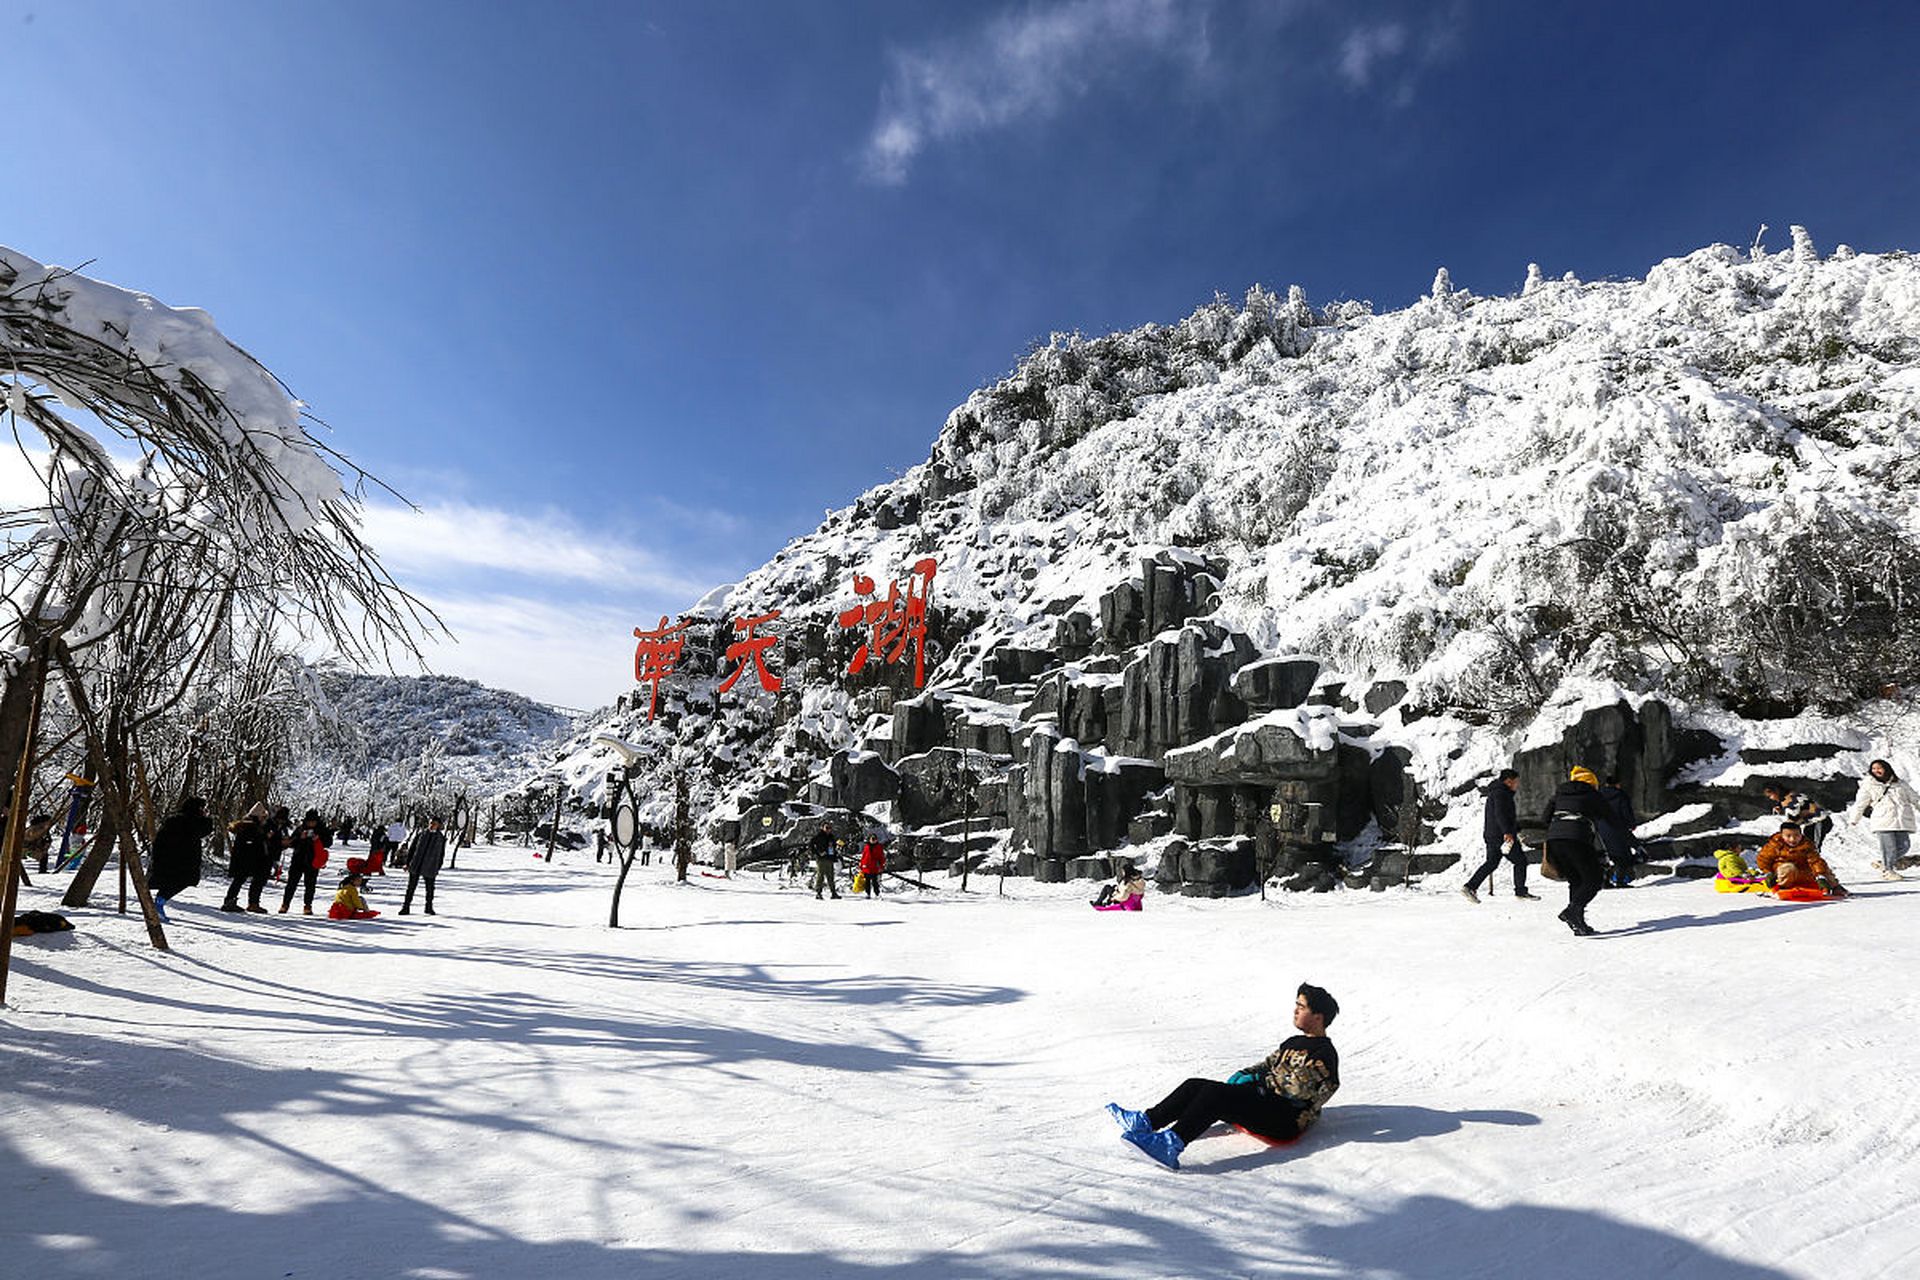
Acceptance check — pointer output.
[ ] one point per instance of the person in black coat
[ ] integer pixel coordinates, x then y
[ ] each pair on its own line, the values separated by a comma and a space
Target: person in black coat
175, 865
248, 862
1501, 830
305, 850
1618, 835
425, 852
824, 856
1573, 819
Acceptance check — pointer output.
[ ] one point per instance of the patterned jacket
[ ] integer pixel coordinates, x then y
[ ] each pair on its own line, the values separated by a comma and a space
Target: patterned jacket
1305, 1071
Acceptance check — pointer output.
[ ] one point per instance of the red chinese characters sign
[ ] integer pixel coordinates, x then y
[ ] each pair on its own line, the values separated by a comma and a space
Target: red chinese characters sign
893, 623
893, 626
657, 654
755, 647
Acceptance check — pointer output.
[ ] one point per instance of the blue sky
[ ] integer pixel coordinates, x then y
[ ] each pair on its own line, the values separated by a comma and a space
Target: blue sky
625, 295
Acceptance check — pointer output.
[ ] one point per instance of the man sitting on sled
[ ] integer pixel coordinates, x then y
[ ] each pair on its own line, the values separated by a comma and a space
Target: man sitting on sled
1276, 1098
1794, 868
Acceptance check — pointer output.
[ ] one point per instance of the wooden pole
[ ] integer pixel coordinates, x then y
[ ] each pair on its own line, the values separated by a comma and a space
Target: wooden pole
16, 823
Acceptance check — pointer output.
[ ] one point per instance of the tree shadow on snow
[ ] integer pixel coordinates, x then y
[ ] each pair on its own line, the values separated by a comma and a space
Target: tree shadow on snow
70, 1227
787, 982
546, 1027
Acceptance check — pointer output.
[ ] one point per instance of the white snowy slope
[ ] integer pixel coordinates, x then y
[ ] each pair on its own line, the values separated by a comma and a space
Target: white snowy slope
749, 1083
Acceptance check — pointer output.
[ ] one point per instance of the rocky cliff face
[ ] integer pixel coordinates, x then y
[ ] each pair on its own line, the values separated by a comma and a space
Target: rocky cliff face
1274, 591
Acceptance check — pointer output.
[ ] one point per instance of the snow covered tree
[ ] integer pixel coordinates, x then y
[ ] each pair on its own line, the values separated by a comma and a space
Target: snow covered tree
178, 493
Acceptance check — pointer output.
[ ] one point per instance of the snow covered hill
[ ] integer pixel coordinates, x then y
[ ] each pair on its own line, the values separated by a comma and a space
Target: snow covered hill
1501, 511
407, 734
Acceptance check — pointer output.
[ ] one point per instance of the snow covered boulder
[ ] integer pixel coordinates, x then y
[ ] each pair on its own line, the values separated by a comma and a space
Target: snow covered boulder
1290, 744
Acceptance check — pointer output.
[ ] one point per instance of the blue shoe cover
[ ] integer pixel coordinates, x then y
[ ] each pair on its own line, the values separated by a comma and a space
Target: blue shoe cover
1130, 1121
1164, 1146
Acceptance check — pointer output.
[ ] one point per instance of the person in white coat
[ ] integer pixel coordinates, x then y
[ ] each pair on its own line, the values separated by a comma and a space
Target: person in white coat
1891, 810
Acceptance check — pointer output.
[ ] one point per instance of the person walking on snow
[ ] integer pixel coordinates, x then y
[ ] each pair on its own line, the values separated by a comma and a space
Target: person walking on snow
873, 861
823, 860
1277, 1098
1501, 830
1618, 835
248, 863
1574, 818
1891, 811
425, 852
175, 864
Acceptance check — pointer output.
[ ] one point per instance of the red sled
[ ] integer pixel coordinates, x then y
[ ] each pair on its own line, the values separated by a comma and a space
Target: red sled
1271, 1142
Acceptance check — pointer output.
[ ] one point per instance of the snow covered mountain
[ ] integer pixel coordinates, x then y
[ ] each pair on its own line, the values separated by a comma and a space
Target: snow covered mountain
421, 737
1466, 524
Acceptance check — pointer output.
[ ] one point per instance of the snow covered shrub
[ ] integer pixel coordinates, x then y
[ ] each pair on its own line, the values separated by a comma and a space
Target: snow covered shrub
1839, 615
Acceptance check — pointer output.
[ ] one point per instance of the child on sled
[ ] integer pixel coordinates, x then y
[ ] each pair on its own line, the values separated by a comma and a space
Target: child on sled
348, 902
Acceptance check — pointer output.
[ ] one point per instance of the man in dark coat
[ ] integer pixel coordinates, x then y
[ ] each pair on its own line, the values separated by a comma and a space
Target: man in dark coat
824, 857
248, 863
305, 851
175, 864
1501, 830
425, 852
1574, 818
1618, 835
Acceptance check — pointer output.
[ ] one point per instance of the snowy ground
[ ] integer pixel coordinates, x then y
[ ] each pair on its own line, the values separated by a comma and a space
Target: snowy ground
747, 1083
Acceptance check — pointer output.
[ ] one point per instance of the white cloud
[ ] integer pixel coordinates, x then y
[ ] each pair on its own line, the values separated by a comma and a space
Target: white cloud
1365, 48
536, 602
450, 538
1018, 66
573, 653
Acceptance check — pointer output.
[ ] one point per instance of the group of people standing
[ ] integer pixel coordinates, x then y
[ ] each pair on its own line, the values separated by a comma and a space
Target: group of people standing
824, 847
267, 843
1590, 842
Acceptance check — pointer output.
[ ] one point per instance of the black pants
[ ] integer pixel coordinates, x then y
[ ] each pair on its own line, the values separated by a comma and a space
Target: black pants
256, 883
298, 871
415, 878
1495, 852
1580, 867
1196, 1104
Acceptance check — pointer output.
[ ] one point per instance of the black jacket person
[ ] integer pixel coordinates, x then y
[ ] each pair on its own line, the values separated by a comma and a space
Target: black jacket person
1574, 819
425, 852
175, 865
1501, 830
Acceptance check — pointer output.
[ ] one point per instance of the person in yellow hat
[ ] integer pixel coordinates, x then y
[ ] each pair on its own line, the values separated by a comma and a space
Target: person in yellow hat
1575, 818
